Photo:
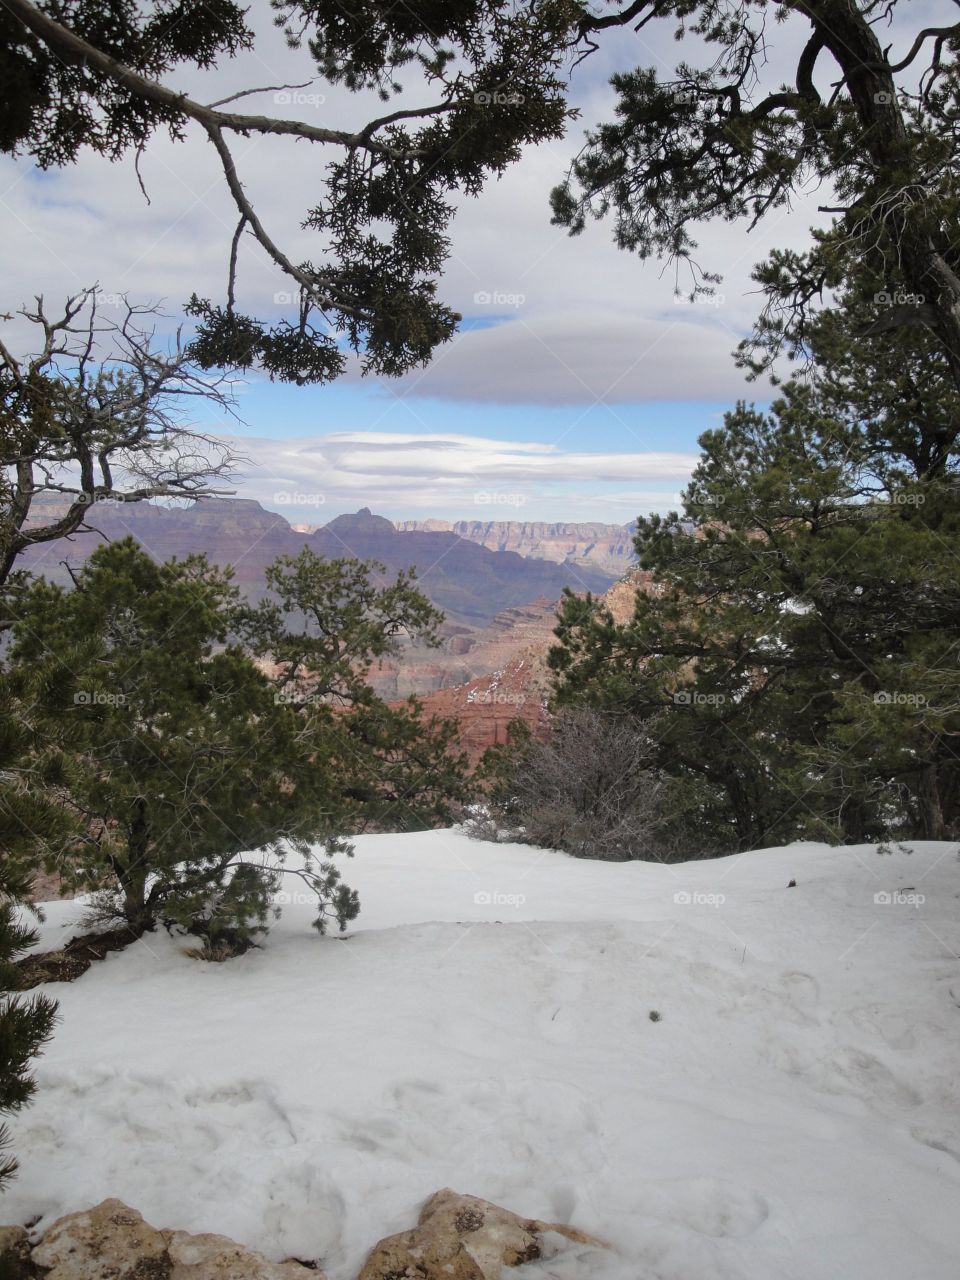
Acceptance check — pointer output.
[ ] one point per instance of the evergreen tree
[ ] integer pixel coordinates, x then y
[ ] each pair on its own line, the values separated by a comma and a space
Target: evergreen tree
185, 752
25, 1024
31, 826
798, 654
719, 138
328, 621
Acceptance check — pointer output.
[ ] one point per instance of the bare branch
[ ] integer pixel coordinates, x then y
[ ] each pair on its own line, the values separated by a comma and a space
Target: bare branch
267, 88
97, 415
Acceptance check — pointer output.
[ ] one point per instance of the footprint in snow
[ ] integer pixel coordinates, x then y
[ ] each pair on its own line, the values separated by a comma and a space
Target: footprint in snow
707, 1206
946, 1143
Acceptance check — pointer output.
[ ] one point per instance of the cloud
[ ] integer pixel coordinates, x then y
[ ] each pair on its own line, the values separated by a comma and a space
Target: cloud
588, 307
452, 475
588, 357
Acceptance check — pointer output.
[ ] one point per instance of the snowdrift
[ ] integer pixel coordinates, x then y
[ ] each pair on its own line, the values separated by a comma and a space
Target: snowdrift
488, 1024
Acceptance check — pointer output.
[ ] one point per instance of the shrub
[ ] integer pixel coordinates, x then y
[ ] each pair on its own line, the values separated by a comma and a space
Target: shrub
590, 790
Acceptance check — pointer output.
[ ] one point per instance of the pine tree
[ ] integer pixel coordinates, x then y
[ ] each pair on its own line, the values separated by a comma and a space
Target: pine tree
720, 137
798, 655
195, 736
25, 1024
30, 825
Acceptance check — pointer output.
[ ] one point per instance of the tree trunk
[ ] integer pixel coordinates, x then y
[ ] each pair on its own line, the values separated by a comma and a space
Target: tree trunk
932, 825
132, 877
853, 42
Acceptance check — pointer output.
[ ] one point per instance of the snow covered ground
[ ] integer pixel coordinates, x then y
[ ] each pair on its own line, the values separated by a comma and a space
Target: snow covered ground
794, 1114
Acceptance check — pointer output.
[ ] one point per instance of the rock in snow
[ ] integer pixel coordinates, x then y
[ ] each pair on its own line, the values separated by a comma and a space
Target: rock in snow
463, 1238
112, 1240
457, 1238
793, 1115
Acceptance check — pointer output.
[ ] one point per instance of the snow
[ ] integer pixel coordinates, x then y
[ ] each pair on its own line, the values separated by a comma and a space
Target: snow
793, 1115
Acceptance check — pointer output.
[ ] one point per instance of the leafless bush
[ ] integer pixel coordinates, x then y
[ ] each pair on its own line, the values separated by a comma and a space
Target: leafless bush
591, 790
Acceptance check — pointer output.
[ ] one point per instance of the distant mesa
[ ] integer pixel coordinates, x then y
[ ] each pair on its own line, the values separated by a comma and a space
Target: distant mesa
608, 547
468, 580
497, 582
364, 521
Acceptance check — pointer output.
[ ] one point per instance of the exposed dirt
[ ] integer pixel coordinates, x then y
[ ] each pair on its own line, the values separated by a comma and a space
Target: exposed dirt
74, 959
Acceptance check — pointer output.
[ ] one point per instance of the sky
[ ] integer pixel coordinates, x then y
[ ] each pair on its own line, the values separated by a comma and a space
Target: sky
577, 386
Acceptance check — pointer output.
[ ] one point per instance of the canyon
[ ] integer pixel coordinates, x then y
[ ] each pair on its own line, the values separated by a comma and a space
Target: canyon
470, 583
515, 681
498, 584
608, 547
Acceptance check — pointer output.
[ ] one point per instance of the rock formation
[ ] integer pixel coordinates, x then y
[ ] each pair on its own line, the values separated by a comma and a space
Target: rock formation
113, 1242
458, 1237
517, 684
462, 1237
591, 545
469, 582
